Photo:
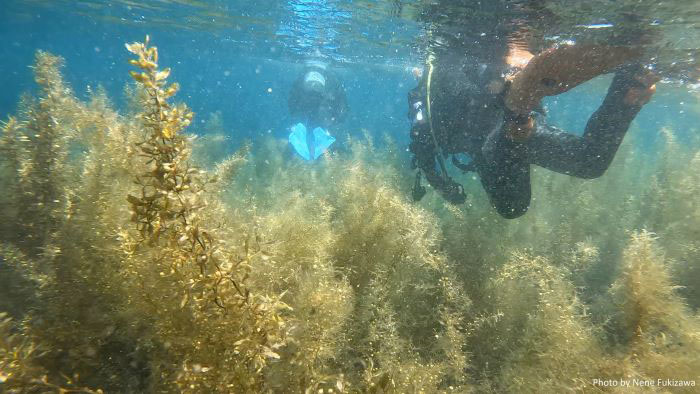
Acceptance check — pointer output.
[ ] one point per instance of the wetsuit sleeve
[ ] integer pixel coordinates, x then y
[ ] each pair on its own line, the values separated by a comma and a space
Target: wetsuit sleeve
589, 155
423, 147
421, 143
424, 150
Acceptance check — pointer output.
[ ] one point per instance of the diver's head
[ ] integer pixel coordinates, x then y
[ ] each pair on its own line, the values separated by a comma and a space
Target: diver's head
314, 82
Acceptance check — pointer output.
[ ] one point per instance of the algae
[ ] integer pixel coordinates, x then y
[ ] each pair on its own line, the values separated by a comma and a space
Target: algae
137, 258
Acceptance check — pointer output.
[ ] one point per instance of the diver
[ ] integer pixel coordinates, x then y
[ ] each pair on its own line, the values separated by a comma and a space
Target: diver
486, 103
316, 102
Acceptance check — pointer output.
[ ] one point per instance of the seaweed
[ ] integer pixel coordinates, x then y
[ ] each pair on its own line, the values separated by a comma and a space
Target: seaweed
660, 337
132, 264
20, 371
542, 341
200, 293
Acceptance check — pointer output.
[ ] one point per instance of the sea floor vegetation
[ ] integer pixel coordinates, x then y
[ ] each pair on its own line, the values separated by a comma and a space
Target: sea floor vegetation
135, 257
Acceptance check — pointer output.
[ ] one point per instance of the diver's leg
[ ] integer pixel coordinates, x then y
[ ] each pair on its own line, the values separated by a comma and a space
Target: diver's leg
590, 155
505, 176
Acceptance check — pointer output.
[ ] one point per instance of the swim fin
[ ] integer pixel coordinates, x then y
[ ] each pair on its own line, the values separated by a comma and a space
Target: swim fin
298, 140
321, 141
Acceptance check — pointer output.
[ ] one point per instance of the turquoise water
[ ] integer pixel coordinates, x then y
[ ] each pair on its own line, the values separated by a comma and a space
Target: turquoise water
228, 54
146, 250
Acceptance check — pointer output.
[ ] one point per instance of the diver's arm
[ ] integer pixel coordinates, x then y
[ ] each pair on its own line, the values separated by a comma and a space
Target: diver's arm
560, 69
423, 147
590, 155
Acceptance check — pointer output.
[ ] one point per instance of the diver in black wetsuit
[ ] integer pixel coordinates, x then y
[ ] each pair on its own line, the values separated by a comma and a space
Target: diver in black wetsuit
316, 100
317, 97
463, 104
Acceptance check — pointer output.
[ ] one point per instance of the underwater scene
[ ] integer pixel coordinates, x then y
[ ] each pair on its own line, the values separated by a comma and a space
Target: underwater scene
349, 196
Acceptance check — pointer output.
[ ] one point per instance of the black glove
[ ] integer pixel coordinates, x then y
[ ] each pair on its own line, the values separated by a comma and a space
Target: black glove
453, 192
418, 190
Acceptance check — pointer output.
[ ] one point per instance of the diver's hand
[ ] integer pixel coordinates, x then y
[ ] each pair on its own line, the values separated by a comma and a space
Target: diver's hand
453, 192
560, 69
418, 190
642, 90
518, 127
632, 87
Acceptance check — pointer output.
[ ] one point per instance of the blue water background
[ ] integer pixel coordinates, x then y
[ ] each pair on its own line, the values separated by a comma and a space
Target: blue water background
249, 82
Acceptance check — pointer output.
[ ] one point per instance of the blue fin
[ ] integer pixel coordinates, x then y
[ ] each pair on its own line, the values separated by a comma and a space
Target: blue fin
322, 140
298, 140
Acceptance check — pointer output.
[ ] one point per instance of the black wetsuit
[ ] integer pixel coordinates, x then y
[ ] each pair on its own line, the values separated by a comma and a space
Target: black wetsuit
318, 108
468, 118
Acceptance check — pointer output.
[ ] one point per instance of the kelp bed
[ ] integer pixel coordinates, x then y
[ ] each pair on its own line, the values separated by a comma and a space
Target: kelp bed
130, 264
